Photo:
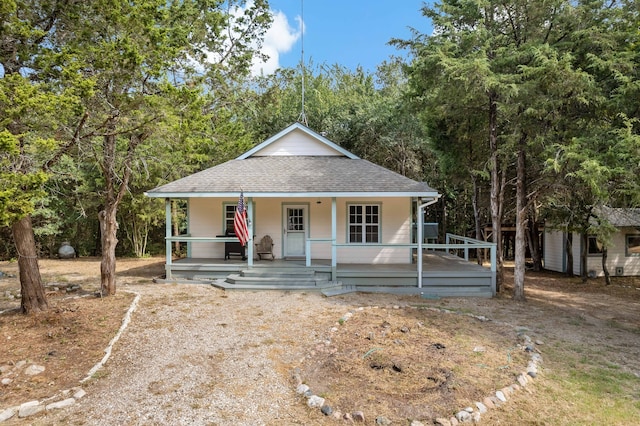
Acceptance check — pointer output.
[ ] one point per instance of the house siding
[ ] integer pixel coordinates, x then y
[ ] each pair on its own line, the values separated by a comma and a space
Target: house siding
555, 256
206, 220
616, 257
395, 229
297, 144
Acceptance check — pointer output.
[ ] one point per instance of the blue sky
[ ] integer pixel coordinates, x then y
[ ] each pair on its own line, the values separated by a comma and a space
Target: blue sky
346, 32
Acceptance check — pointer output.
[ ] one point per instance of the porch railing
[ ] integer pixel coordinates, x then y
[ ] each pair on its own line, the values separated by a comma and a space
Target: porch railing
187, 238
453, 243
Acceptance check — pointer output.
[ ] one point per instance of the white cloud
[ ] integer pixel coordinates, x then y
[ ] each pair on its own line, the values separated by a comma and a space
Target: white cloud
278, 39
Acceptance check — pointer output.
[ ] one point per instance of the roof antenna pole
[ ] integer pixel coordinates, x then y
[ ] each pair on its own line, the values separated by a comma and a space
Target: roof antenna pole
303, 117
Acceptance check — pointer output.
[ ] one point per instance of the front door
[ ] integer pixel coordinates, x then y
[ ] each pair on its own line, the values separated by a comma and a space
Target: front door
295, 230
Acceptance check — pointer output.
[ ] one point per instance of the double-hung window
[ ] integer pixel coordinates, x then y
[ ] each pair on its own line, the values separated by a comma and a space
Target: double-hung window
364, 223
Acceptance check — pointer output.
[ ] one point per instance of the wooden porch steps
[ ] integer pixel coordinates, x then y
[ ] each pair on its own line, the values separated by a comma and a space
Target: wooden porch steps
276, 279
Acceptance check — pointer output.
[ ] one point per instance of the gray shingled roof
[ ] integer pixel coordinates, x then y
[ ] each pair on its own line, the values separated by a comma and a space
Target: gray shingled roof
620, 217
291, 175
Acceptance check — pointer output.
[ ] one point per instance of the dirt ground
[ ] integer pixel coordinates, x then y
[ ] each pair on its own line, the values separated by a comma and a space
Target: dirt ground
393, 356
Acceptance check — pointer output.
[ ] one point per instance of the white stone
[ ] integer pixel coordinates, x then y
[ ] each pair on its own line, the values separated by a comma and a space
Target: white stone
60, 404
302, 389
80, 393
7, 414
4, 368
315, 401
416, 423
30, 408
479, 349
501, 396
463, 416
522, 380
33, 370
481, 407
20, 364
6, 381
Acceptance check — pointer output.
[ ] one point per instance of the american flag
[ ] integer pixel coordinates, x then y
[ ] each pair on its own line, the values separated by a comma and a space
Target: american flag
240, 225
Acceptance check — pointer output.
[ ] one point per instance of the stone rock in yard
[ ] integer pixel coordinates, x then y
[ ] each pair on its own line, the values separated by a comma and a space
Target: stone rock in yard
315, 401
30, 408
522, 380
326, 410
6, 381
79, 393
302, 388
34, 369
60, 404
463, 416
7, 414
358, 416
383, 421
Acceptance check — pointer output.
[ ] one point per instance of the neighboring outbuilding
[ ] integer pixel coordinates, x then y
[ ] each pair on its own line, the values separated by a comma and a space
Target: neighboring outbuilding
623, 256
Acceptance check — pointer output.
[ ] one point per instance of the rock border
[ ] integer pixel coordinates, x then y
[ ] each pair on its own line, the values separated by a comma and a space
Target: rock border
465, 415
68, 397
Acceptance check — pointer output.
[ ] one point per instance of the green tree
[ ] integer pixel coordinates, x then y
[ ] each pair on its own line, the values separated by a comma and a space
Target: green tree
39, 108
517, 69
132, 50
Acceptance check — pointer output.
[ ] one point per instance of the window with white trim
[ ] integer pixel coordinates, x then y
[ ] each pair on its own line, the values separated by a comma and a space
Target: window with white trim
364, 223
229, 213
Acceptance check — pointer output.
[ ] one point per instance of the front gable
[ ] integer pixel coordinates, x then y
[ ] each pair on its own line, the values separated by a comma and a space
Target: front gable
297, 140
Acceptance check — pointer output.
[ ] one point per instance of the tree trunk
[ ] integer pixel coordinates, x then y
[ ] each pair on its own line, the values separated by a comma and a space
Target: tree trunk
607, 275
569, 251
31, 289
584, 238
476, 218
496, 190
108, 234
521, 226
534, 244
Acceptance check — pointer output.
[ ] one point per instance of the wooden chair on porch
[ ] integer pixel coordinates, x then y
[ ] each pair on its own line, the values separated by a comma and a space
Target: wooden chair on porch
265, 247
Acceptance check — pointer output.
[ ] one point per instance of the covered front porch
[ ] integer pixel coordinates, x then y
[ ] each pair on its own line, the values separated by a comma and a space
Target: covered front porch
440, 273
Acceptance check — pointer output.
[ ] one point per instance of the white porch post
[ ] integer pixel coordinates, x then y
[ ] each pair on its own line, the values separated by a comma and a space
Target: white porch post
250, 242
420, 239
421, 236
167, 232
334, 233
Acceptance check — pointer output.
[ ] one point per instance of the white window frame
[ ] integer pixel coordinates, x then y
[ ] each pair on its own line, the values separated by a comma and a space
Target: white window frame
226, 221
363, 223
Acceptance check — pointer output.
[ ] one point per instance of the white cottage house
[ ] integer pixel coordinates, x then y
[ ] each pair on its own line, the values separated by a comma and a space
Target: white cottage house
333, 217
623, 257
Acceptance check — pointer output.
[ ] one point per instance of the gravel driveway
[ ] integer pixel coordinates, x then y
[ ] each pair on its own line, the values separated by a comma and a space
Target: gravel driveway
198, 355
